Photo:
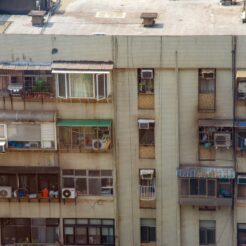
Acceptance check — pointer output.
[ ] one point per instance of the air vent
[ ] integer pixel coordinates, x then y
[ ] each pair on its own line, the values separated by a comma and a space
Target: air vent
37, 17
148, 19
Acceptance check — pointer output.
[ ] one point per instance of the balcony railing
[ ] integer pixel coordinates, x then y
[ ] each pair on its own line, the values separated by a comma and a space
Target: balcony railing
147, 193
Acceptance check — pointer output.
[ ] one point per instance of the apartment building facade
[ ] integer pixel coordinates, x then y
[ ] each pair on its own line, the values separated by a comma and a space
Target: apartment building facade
121, 139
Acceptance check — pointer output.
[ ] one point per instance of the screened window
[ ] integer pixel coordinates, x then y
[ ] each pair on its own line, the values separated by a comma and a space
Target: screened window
147, 136
207, 81
146, 81
89, 182
88, 231
207, 232
148, 230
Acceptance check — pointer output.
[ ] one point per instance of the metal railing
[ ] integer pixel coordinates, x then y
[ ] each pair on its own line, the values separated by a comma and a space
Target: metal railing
147, 192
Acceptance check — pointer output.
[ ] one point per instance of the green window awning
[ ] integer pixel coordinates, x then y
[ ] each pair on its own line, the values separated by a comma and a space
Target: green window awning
84, 123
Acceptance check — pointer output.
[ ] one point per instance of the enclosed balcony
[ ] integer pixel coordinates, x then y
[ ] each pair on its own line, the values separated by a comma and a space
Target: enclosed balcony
206, 186
27, 130
30, 82
84, 135
215, 139
147, 187
29, 184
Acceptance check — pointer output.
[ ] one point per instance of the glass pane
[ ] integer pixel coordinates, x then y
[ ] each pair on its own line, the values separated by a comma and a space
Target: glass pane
94, 235
193, 186
51, 234
101, 86
2, 133
107, 235
68, 172
82, 221
184, 187
144, 234
147, 136
202, 236
106, 173
95, 222
95, 186
152, 234
202, 187
211, 187
38, 235
69, 235
211, 236
94, 173
69, 221
68, 183
81, 235
81, 85
80, 172
38, 222
107, 222
81, 186
61, 85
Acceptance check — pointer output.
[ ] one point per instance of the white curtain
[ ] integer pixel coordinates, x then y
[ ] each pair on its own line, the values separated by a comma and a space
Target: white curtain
81, 85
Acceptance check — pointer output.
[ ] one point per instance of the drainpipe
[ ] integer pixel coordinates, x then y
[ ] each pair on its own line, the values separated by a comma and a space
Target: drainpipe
234, 208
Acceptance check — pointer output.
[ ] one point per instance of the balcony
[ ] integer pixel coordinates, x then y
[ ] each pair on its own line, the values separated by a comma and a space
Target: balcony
147, 196
84, 135
29, 184
28, 85
206, 186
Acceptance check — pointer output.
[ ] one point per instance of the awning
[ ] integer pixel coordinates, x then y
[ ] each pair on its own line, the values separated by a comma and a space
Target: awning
241, 74
81, 67
29, 170
215, 123
25, 66
206, 172
241, 123
85, 123
144, 121
146, 172
27, 116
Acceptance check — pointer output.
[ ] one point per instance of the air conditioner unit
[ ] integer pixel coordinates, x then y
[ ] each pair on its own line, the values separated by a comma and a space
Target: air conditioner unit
147, 174
15, 89
5, 192
47, 144
208, 74
143, 125
222, 140
2, 146
147, 74
68, 193
98, 144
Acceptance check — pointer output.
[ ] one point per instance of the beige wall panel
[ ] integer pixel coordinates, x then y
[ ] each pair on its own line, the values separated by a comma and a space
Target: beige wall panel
188, 102
241, 213
241, 164
197, 51
167, 159
88, 208
190, 225
241, 52
22, 158
86, 160
127, 132
25, 48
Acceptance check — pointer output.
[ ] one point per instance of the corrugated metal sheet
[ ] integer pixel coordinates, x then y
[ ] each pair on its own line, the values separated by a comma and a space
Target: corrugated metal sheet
206, 172
82, 65
215, 123
27, 116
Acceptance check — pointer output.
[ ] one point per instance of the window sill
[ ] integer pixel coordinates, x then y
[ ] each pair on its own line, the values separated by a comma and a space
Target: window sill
82, 100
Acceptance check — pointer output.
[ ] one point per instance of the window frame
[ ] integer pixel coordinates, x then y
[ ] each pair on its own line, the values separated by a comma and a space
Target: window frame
207, 230
95, 85
141, 80
148, 228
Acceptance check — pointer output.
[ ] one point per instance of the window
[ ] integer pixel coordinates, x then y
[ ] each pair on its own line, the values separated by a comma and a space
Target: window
207, 232
241, 185
147, 184
88, 231
3, 131
86, 138
146, 132
146, 81
148, 230
89, 182
29, 230
31, 136
241, 234
207, 89
94, 86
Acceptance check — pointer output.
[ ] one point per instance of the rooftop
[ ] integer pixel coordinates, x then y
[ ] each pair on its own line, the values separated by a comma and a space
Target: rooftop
122, 17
